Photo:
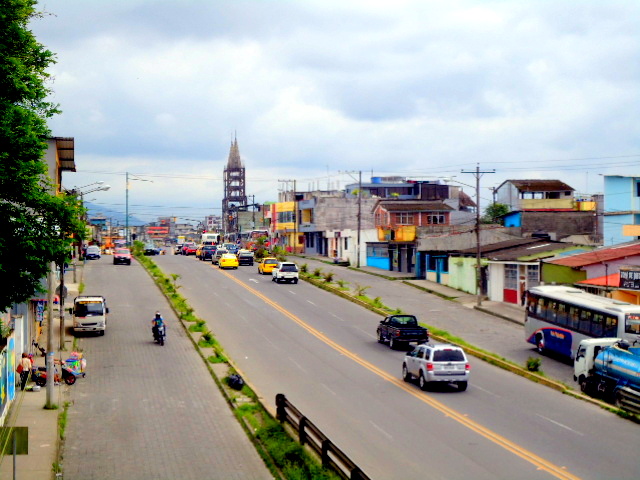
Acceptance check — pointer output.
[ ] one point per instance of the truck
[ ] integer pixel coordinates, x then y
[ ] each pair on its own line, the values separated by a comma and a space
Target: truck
400, 330
609, 368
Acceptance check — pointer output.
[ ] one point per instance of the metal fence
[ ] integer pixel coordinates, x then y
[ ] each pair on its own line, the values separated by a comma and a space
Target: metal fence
308, 434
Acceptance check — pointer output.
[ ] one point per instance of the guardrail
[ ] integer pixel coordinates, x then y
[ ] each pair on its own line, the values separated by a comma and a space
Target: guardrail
332, 457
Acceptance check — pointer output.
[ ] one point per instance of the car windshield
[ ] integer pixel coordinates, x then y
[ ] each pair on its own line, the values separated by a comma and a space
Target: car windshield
271, 262
287, 267
122, 251
448, 355
86, 309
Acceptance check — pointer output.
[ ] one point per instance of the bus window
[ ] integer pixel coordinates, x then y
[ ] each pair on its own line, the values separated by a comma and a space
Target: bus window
562, 317
611, 327
632, 323
550, 313
597, 324
573, 317
585, 321
540, 308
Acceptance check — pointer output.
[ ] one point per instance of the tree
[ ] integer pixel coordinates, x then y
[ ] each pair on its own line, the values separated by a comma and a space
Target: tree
494, 212
36, 224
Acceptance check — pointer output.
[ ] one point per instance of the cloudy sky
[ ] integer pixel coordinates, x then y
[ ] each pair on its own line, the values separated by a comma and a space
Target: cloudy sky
314, 89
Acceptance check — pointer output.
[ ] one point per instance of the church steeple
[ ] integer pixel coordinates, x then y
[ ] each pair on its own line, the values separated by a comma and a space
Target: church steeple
234, 189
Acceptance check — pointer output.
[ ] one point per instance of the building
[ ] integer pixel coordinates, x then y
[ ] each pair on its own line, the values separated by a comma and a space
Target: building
234, 190
621, 209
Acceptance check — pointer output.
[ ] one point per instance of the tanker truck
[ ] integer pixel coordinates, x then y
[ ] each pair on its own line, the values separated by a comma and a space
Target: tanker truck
609, 368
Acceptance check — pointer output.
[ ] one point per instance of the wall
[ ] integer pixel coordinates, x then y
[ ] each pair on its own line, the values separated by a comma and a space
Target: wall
462, 274
620, 196
561, 275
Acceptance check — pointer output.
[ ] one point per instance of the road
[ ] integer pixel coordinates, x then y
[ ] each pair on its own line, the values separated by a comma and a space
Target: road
146, 411
322, 353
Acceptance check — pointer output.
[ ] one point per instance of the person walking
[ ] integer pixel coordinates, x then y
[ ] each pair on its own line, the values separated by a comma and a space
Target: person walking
24, 369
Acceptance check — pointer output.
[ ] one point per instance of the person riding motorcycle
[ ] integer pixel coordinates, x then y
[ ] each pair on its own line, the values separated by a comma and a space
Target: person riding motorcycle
155, 323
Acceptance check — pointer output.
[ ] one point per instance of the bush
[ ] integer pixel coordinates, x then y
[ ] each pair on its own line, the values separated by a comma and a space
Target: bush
342, 283
533, 364
304, 268
317, 272
328, 277
360, 290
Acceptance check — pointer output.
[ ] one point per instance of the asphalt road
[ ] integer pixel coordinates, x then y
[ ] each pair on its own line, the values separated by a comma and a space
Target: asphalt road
146, 411
322, 353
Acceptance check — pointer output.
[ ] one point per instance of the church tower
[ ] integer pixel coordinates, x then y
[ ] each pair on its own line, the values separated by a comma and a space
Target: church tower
234, 190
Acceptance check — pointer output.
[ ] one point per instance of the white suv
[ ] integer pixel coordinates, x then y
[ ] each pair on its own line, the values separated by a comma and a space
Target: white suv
285, 272
436, 363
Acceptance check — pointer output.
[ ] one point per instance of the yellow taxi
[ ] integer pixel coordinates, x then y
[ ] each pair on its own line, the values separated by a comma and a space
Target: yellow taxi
199, 251
267, 265
228, 260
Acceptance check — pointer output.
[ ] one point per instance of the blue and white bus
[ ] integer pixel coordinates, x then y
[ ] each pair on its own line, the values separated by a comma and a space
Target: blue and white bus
559, 317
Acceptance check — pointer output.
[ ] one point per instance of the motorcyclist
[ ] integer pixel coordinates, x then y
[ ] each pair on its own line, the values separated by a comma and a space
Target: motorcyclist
155, 323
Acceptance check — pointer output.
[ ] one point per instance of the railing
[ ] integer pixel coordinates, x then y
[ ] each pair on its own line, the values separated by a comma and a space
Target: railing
332, 457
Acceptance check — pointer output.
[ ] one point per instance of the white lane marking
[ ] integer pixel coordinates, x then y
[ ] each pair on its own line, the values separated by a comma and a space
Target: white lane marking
253, 280
377, 427
366, 332
292, 292
325, 386
311, 303
486, 391
335, 316
560, 425
297, 364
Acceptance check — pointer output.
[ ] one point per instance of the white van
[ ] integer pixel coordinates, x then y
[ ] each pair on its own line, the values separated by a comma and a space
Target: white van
89, 314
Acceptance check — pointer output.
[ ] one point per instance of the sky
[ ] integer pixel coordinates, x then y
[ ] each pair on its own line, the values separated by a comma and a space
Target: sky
319, 90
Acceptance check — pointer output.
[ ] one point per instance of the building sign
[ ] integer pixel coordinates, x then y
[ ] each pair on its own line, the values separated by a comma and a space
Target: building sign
630, 278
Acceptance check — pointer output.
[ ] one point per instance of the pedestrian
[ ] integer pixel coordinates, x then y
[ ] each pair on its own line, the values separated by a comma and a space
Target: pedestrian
24, 369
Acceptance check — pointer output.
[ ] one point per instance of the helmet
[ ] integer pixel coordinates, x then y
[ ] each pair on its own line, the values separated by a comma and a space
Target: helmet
158, 315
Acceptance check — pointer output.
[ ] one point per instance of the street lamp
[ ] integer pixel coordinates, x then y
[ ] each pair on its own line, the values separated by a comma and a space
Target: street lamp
126, 213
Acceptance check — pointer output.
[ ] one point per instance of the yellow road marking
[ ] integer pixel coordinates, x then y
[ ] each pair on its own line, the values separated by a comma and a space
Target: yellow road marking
539, 462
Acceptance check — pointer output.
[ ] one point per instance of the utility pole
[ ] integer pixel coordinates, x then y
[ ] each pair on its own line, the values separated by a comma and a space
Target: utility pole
295, 218
126, 211
478, 174
50, 353
359, 218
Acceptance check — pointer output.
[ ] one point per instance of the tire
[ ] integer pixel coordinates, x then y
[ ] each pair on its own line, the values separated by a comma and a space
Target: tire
70, 379
162, 341
295, 280
422, 382
380, 338
392, 343
540, 344
406, 376
462, 386
40, 381
101, 333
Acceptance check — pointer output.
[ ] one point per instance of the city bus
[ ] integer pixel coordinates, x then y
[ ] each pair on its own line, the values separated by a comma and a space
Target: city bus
210, 239
559, 317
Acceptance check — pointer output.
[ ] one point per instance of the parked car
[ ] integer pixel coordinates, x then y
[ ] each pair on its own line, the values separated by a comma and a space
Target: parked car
285, 272
401, 330
122, 256
228, 260
437, 363
206, 251
216, 256
189, 248
267, 265
245, 257
93, 252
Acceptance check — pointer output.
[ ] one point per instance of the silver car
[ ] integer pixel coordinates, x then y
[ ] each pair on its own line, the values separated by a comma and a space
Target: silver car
437, 363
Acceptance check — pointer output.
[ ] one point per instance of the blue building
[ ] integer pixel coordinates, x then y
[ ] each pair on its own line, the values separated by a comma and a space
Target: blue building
621, 209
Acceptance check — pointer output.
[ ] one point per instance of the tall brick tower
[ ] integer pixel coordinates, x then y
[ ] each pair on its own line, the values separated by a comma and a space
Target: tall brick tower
234, 189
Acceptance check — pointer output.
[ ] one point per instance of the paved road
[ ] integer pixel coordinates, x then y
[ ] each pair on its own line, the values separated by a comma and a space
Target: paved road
326, 359
146, 411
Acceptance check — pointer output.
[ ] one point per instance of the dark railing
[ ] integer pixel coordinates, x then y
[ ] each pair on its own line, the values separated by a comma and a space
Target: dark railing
308, 434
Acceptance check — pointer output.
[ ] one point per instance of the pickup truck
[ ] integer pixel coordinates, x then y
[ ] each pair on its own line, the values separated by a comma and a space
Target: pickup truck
401, 330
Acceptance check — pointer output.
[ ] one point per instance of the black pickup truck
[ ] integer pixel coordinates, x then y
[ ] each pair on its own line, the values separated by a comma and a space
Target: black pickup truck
401, 330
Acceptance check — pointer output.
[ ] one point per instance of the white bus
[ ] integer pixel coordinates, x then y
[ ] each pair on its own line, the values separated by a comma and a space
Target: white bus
559, 317
210, 239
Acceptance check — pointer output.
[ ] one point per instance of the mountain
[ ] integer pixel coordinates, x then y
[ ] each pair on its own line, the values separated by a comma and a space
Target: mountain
113, 216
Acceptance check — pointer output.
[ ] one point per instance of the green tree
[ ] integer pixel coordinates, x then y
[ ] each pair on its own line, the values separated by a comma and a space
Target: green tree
36, 224
493, 213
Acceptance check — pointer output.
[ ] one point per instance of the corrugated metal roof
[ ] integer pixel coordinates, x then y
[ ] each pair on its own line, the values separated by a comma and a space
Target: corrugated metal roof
515, 249
539, 185
66, 153
599, 256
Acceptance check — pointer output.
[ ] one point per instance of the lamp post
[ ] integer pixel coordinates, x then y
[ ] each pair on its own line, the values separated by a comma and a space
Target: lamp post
126, 208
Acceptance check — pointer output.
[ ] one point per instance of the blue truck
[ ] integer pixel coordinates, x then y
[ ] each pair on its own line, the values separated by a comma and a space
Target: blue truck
609, 368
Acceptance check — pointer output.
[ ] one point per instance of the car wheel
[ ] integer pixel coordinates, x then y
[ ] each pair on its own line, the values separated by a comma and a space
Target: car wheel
295, 280
392, 343
380, 337
101, 333
462, 386
540, 344
406, 376
422, 382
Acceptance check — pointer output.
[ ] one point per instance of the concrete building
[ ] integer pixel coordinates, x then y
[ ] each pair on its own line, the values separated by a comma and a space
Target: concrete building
621, 209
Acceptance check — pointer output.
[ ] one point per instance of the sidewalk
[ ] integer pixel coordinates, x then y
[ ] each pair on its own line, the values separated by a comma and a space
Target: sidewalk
507, 311
27, 409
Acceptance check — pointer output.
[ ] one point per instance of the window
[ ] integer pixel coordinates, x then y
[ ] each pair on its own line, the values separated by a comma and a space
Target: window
533, 275
574, 317
377, 251
511, 277
597, 323
562, 317
611, 327
435, 219
404, 218
585, 320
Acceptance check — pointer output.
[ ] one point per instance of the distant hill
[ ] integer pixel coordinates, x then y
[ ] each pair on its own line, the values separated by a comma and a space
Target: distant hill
113, 216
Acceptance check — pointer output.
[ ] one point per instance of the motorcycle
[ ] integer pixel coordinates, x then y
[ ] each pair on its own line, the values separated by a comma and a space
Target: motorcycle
39, 375
159, 334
